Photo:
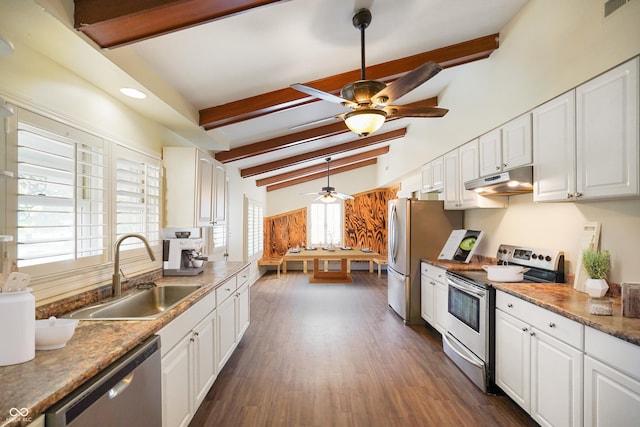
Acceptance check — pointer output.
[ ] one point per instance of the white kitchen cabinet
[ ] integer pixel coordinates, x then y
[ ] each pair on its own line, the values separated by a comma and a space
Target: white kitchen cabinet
204, 357
242, 311
233, 314
441, 307
430, 277
586, 143
462, 165
539, 361
554, 149
432, 176
506, 147
195, 188
226, 330
177, 385
607, 134
611, 381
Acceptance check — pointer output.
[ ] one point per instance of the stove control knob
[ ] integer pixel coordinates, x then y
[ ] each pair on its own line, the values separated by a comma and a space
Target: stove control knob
547, 258
534, 256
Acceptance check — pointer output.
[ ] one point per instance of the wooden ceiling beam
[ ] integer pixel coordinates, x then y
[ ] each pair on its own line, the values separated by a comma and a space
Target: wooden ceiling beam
282, 99
322, 166
114, 23
324, 152
319, 175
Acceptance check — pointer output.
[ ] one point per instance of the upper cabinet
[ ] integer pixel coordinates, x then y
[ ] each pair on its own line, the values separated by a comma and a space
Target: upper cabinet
433, 176
586, 143
462, 165
507, 147
195, 186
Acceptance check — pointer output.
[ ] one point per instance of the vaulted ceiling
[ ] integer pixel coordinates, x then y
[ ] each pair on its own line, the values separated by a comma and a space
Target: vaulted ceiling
235, 59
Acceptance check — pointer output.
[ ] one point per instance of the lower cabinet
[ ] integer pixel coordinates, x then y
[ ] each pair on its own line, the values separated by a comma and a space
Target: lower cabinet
433, 298
611, 381
197, 344
535, 366
441, 307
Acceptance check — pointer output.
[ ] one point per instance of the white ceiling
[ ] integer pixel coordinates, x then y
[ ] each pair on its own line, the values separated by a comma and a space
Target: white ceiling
274, 46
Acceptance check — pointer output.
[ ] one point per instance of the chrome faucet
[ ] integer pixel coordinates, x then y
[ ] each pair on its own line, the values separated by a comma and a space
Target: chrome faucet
117, 286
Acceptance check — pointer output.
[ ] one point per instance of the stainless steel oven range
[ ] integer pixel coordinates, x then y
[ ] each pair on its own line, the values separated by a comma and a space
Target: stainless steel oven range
470, 324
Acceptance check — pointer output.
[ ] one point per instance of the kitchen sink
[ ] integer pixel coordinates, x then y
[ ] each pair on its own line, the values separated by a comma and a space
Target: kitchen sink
146, 304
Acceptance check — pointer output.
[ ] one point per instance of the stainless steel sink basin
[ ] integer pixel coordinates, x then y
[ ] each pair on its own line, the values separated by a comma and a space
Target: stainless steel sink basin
147, 304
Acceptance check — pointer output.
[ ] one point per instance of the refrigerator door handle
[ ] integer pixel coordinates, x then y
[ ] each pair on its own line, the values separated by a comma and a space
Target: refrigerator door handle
393, 231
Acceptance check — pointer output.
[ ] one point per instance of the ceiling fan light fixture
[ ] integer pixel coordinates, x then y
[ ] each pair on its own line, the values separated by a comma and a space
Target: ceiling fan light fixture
327, 198
366, 121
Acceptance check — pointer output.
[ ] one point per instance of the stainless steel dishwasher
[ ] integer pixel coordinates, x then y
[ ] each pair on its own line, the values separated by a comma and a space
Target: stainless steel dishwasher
127, 393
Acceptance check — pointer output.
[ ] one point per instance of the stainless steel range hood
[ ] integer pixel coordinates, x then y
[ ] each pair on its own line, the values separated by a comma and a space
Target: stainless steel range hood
516, 181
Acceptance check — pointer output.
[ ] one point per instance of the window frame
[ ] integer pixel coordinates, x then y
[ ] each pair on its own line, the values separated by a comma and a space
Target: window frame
310, 223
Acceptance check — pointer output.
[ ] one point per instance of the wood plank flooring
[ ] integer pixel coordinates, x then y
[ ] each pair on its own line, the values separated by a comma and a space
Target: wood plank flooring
336, 355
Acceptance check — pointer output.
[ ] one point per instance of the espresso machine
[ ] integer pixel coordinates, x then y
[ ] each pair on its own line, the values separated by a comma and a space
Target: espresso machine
178, 256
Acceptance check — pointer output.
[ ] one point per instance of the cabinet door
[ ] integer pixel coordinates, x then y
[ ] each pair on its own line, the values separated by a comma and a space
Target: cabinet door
242, 310
516, 143
441, 307
607, 134
554, 149
469, 169
490, 152
205, 192
556, 381
226, 314
177, 386
611, 398
220, 198
427, 177
513, 358
451, 181
204, 352
427, 299
438, 174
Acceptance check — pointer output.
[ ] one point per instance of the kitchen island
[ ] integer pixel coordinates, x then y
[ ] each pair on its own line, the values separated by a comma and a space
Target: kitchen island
35, 385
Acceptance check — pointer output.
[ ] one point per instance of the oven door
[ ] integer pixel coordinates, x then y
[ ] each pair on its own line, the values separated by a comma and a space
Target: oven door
468, 315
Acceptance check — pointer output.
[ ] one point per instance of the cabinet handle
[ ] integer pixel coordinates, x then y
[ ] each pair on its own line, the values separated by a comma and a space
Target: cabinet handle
195, 334
497, 168
227, 289
578, 195
525, 329
552, 325
192, 339
569, 196
510, 305
504, 165
532, 333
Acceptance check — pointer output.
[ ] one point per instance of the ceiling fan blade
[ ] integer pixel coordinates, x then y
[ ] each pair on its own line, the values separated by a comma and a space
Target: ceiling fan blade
407, 83
322, 95
314, 122
342, 196
402, 111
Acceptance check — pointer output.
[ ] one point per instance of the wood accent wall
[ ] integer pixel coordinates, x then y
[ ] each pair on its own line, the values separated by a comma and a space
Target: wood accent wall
284, 231
365, 219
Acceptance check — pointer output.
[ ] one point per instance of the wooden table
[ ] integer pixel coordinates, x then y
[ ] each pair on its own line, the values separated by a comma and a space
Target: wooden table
344, 256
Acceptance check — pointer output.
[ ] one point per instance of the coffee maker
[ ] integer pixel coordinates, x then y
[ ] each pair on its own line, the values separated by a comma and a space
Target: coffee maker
178, 254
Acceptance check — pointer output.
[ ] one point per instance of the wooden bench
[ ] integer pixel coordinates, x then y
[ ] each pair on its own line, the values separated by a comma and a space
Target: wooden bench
380, 262
276, 261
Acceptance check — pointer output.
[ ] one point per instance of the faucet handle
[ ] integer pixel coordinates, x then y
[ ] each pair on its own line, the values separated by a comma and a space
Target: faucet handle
124, 278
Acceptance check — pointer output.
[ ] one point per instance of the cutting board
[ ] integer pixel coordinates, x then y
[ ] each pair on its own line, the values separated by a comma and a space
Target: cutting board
589, 239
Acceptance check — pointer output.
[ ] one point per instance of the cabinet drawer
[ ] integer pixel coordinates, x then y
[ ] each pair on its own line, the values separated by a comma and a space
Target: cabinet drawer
433, 272
225, 290
553, 324
613, 351
242, 277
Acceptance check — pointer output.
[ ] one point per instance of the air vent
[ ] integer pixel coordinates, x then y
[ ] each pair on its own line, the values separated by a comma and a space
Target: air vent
611, 6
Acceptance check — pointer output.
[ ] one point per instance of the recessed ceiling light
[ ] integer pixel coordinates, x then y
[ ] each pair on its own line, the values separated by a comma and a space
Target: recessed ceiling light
6, 47
133, 93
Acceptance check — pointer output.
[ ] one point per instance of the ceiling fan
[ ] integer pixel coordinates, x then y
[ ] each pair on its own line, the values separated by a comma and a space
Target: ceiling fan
329, 194
370, 99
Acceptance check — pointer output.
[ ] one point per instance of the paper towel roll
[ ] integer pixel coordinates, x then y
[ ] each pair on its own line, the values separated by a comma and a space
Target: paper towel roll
18, 331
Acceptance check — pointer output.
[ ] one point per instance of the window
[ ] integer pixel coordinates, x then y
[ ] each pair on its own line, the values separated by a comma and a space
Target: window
137, 197
325, 223
60, 192
255, 228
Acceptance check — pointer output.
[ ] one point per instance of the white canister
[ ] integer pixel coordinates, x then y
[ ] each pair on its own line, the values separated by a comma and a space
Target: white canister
18, 331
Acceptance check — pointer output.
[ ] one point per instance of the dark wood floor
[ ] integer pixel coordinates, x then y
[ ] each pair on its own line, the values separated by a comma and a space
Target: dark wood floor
336, 355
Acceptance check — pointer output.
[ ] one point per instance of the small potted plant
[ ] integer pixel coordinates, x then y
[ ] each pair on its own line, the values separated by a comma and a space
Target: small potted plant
597, 264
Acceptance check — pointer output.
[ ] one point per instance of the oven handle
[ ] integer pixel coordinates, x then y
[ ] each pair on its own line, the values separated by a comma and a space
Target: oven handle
466, 288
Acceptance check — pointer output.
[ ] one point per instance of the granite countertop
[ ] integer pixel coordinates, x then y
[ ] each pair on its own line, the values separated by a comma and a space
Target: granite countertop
51, 375
563, 299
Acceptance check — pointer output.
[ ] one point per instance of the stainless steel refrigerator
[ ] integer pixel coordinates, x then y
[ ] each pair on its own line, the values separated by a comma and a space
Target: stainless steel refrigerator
417, 229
